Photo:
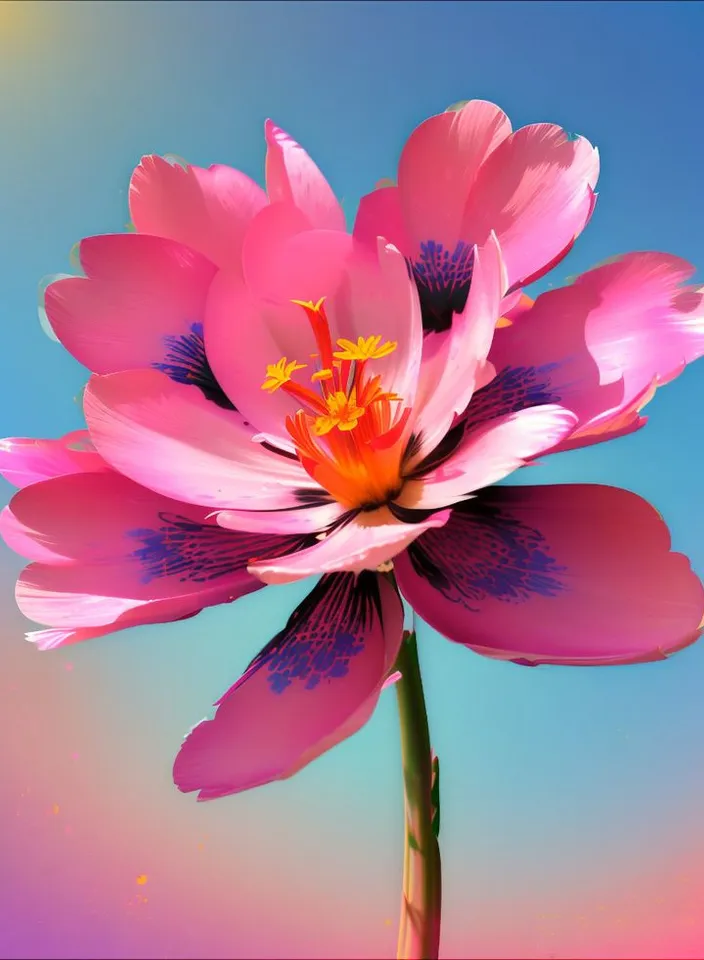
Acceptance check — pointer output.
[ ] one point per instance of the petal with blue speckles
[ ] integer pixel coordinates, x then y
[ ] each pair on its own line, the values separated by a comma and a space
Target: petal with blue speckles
567, 574
106, 550
205, 209
313, 685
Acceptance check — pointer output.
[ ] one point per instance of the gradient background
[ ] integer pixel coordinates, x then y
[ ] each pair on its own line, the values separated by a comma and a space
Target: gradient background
573, 800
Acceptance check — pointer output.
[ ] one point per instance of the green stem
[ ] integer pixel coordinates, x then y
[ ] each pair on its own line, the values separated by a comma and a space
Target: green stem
419, 929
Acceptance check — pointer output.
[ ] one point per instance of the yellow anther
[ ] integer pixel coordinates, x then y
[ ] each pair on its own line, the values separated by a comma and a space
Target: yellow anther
277, 374
369, 348
343, 413
322, 375
309, 305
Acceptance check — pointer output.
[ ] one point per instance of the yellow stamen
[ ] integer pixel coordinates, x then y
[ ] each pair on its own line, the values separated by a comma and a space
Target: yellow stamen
277, 374
343, 413
364, 349
322, 375
309, 305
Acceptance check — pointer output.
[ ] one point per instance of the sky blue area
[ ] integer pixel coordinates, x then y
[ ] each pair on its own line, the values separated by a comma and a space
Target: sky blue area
549, 766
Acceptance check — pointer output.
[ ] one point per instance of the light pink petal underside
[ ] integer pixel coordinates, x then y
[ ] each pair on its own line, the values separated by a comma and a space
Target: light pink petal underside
169, 438
362, 544
487, 454
26, 460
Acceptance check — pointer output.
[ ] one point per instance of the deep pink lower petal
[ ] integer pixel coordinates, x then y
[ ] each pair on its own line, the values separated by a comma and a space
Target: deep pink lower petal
26, 460
313, 685
575, 574
105, 546
206, 209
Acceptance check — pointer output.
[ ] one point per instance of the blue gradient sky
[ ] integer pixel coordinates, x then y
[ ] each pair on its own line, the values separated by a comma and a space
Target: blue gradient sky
572, 799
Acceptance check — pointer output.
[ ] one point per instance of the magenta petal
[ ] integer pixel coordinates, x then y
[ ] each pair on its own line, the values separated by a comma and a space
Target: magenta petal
574, 574
26, 460
139, 296
291, 176
105, 546
313, 685
208, 210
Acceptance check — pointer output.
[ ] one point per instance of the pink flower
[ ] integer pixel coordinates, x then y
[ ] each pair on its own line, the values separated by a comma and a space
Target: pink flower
341, 438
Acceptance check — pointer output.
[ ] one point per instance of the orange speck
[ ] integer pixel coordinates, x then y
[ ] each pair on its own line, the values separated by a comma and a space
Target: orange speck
142, 879
55, 808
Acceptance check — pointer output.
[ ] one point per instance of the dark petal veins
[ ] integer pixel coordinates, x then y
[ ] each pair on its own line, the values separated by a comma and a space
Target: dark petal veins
443, 278
185, 362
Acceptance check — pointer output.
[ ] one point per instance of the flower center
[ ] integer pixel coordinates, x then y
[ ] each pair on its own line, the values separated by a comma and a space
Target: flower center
348, 431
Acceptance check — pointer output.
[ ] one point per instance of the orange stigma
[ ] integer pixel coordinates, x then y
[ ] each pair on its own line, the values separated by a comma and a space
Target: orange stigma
348, 433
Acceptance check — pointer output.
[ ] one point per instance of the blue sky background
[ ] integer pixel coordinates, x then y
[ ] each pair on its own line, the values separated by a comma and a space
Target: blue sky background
572, 799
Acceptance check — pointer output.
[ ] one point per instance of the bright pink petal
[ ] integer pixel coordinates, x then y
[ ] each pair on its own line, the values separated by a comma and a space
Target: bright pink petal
557, 574
312, 685
292, 176
141, 304
171, 439
361, 544
458, 358
440, 164
105, 546
487, 454
208, 210
535, 191
380, 214
25, 460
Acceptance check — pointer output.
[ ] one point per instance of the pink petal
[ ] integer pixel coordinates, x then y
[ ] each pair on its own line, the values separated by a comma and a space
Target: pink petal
460, 355
535, 191
573, 574
303, 519
361, 544
313, 685
158, 611
487, 454
105, 546
642, 323
440, 164
208, 210
292, 176
542, 357
380, 215
141, 298
171, 439
25, 460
